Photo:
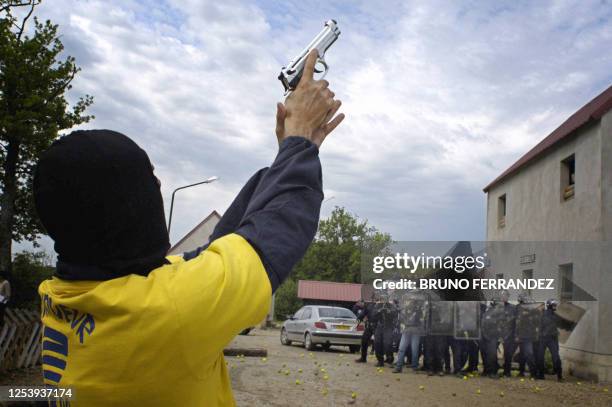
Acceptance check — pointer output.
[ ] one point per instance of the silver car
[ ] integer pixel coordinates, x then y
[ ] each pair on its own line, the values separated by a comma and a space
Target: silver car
316, 325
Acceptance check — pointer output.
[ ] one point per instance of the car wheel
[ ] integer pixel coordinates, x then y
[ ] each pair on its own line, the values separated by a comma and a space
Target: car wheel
308, 342
284, 338
326, 346
354, 348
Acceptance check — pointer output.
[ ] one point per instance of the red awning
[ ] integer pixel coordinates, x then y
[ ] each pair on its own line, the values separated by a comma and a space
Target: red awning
329, 291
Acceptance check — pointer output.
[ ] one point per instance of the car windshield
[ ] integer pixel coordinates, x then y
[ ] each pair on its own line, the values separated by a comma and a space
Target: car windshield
335, 313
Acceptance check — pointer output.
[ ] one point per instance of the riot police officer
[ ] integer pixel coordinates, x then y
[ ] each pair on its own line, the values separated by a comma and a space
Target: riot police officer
365, 312
525, 339
549, 339
386, 315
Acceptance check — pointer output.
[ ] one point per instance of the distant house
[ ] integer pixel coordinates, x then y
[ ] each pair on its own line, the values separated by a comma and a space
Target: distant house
557, 194
198, 236
329, 293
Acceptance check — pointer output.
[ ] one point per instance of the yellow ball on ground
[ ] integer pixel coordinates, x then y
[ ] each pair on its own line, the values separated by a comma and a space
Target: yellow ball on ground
299, 370
501, 394
465, 378
421, 387
477, 391
353, 395
298, 382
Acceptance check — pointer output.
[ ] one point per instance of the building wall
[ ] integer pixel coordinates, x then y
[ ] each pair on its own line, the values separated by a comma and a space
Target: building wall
198, 237
536, 213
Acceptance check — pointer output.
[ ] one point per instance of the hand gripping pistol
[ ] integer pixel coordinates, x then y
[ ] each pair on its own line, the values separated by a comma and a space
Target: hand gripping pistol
290, 75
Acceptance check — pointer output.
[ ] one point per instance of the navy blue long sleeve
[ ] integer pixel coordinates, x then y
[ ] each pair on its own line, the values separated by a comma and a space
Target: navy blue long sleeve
282, 216
277, 211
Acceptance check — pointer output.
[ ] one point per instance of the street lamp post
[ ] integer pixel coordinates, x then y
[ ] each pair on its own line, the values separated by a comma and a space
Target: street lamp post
207, 181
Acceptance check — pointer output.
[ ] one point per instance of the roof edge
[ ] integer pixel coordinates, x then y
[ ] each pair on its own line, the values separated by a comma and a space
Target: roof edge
192, 231
593, 110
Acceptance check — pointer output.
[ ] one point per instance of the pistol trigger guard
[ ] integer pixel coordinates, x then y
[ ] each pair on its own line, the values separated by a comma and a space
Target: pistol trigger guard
322, 62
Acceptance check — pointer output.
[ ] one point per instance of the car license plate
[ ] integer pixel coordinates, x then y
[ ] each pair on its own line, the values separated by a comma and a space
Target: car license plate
343, 327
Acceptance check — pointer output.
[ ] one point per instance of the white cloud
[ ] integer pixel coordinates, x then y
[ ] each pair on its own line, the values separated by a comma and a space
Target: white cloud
440, 96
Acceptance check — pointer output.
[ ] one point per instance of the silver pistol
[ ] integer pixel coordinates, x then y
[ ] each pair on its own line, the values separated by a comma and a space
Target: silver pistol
290, 75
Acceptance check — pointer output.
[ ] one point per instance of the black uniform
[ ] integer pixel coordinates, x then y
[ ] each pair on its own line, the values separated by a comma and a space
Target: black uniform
386, 316
366, 313
549, 339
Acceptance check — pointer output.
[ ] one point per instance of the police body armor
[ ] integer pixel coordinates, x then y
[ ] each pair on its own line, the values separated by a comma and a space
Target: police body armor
441, 318
467, 320
498, 322
529, 321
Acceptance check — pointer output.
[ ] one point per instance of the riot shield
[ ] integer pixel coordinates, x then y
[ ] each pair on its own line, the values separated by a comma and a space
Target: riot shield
529, 320
497, 323
413, 310
441, 318
467, 320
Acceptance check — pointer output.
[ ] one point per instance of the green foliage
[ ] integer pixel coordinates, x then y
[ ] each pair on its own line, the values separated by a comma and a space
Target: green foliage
286, 300
334, 255
29, 270
34, 77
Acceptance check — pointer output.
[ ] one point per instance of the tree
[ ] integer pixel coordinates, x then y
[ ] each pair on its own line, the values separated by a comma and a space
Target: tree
34, 78
338, 249
341, 244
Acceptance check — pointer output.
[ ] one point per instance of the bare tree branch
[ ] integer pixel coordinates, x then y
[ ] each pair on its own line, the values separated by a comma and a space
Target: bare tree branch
23, 3
25, 19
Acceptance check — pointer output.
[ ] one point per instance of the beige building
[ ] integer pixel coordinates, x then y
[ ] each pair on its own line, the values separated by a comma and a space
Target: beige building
557, 201
198, 236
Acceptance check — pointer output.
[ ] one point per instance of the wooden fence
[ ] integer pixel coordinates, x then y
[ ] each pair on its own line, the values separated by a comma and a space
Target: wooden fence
20, 343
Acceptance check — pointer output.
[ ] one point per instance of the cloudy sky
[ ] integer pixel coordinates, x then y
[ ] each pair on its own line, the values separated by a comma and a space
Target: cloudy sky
440, 96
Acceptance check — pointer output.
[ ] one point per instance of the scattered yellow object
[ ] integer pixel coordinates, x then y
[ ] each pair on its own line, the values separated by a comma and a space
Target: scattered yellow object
325, 377
353, 395
287, 372
300, 370
605, 390
464, 377
477, 391
471, 375
522, 380
324, 392
298, 382
264, 359
310, 354
537, 388
578, 383
322, 370
421, 387
501, 394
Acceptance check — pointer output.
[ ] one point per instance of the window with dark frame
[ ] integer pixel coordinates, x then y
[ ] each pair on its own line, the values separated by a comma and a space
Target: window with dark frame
568, 177
501, 211
566, 283
527, 275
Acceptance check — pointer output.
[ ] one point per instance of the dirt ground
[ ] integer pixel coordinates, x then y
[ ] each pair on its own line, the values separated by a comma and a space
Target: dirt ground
291, 375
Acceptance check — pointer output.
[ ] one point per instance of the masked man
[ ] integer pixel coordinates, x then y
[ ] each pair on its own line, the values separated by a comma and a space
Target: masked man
124, 325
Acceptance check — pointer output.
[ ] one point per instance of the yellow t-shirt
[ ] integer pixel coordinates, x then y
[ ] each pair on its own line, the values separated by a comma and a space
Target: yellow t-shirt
155, 340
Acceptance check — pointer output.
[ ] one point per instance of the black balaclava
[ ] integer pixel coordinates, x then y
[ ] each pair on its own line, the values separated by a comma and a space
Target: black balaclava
97, 197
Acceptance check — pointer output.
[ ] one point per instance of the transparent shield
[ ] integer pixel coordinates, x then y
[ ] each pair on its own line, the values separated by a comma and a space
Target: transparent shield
467, 320
497, 323
441, 318
529, 320
413, 310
